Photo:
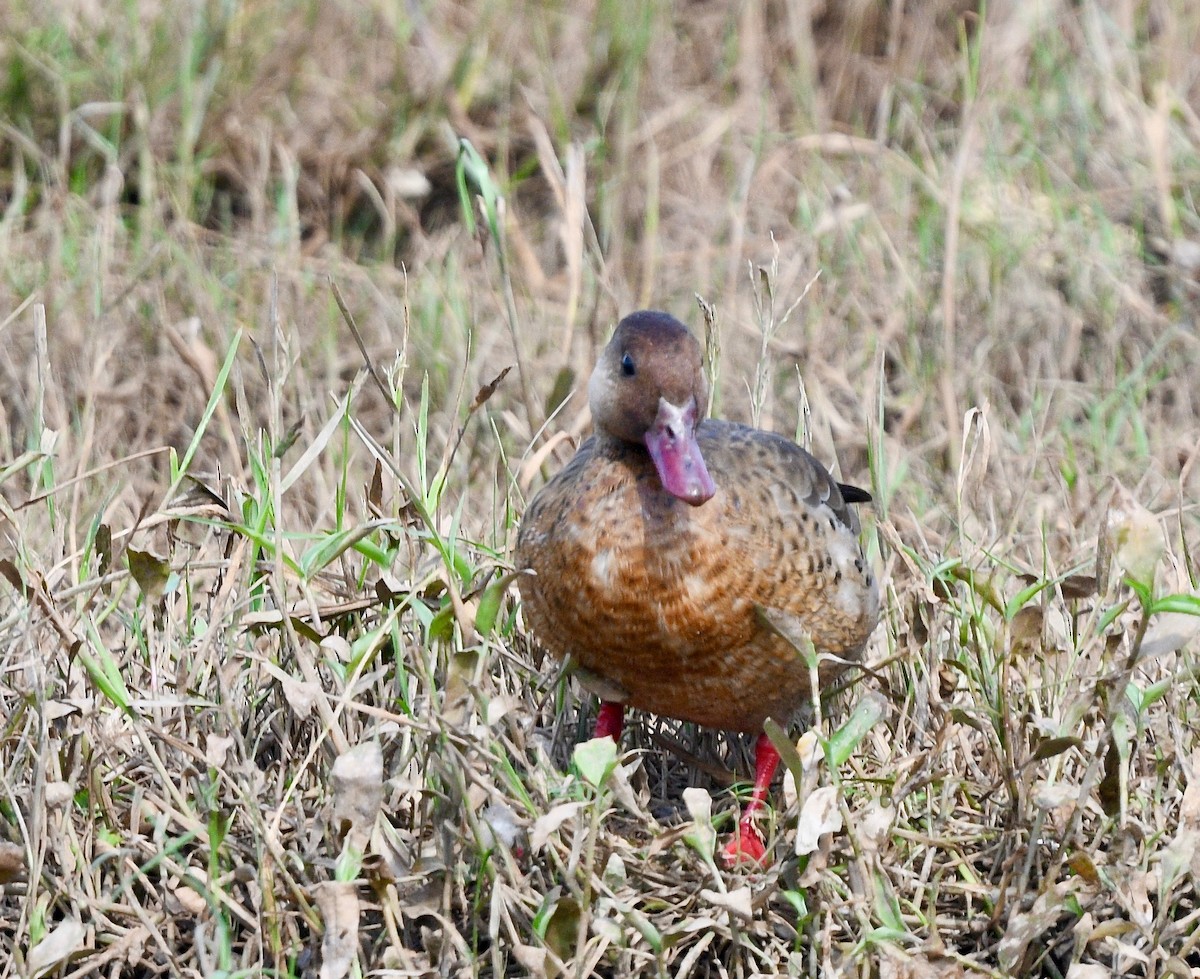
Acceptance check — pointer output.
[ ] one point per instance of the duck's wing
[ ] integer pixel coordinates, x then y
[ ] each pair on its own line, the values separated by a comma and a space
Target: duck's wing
800, 485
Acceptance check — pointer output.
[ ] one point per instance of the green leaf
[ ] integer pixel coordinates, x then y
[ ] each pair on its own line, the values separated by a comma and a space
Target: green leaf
1143, 591
786, 748
180, 469
887, 910
105, 674
1110, 616
1154, 693
1184, 604
489, 603
442, 624
1022, 598
595, 760
867, 713
646, 929
799, 903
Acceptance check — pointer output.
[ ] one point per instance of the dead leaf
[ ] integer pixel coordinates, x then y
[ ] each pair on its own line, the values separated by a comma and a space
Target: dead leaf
810, 751
1111, 788
338, 648
62, 942
615, 874
1074, 587
562, 928
564, 382
58, 794
189, 901
875, 826
1135, 536
1026, 630
535, 961
216, 750
1189, 806
375, 490
1028, 927
820, 815
1051, 795
1125, 951
301, 696
1169, 633
737, 902
550, 822
500, 824
1049, 747
104, 549
1082, 970
1133, 894
338, 903
357, 785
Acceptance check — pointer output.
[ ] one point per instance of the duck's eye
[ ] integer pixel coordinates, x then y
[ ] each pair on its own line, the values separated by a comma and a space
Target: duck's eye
627, 366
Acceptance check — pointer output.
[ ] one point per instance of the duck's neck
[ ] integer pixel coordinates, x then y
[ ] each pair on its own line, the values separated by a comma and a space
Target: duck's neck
615, 448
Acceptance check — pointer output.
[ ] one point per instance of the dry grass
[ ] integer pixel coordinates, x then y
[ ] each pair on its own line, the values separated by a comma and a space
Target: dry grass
1002, 339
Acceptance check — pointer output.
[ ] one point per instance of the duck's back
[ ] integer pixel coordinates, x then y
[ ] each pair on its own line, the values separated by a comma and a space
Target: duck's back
668, 603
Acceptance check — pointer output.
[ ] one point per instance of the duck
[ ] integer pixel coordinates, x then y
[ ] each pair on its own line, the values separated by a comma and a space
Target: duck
672, 558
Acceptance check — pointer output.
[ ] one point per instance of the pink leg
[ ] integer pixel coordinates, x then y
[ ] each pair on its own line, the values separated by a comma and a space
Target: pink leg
611, 720
747, 845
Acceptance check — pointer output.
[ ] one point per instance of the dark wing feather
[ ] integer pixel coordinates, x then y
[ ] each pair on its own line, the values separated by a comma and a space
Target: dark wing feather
854, 494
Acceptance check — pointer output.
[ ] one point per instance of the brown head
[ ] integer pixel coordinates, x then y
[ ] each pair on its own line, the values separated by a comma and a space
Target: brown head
648, 388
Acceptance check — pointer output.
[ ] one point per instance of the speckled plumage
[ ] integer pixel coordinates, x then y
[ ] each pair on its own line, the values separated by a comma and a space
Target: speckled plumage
661, 602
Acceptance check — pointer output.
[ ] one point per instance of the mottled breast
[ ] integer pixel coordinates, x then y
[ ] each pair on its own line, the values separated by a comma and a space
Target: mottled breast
664, 601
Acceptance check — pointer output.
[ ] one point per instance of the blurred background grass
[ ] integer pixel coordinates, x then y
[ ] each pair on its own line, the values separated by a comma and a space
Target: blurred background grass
999, 210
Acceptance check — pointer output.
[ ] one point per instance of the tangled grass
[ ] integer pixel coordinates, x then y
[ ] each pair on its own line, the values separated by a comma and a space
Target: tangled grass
266, 701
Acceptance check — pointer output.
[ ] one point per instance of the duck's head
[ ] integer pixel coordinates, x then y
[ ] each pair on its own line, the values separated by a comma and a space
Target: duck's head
649, 388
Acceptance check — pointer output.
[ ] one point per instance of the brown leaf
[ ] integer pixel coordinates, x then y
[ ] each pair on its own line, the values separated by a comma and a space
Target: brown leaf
12, 862
1026, 630
1030, 927
948, 679
562, 928
375, 490
104, 549
1084, 866
1049, 747
485, 392
302, 617
534, 961
1078, 586
1074, 586
10, 573
150, 573
1169, 633
1109, 789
